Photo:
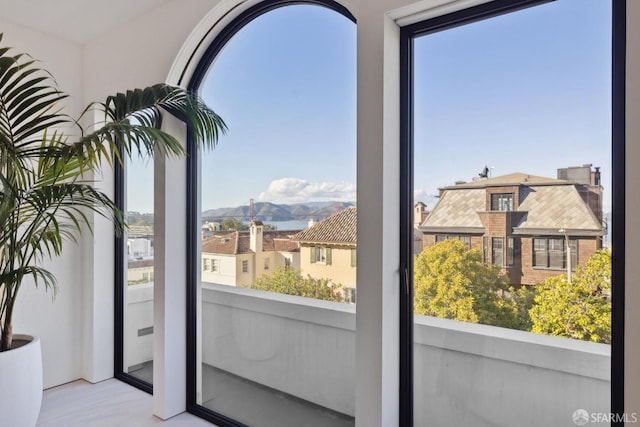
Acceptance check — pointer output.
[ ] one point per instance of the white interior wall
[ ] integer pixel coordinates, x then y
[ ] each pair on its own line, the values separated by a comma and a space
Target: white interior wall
57, 323
140, 52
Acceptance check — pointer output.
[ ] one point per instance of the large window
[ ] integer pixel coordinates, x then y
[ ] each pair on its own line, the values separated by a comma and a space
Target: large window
552, 253
493, 111
465, 239
274, 337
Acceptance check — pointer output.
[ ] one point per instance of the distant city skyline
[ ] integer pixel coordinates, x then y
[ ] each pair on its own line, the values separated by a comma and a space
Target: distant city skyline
286, 86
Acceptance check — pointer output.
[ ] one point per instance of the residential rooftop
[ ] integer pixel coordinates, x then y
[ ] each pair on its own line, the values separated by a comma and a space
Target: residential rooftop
339, 228
239, 242
545, 203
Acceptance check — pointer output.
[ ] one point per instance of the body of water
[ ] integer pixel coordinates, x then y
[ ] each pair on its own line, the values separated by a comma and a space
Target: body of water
289, 225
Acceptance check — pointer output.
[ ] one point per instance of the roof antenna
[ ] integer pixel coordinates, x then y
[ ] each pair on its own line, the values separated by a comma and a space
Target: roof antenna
250, 210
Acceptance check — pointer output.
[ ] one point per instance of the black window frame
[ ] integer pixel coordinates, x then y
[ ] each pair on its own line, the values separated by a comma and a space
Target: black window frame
464, 238
497, 251
618, 128
544, 250
498, 202
193, 156
120, 280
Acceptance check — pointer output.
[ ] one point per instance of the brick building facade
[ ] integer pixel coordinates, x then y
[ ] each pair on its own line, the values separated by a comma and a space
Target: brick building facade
523, 223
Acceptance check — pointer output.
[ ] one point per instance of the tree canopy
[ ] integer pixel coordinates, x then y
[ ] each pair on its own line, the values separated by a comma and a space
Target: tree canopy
452, 282
580, 309
233, 224
286, 280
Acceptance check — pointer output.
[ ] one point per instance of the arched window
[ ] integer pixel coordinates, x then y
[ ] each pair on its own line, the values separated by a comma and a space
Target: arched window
273, 221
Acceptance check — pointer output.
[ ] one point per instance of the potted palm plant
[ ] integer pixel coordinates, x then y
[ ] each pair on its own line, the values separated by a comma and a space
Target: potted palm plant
46, 194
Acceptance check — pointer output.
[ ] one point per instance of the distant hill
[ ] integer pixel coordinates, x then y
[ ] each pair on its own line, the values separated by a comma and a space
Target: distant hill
267, 211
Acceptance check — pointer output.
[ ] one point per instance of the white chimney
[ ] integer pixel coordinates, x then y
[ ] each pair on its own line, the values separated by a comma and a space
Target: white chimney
255, 241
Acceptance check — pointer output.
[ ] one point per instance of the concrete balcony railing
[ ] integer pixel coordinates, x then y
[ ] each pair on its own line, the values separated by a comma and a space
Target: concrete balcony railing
465, 374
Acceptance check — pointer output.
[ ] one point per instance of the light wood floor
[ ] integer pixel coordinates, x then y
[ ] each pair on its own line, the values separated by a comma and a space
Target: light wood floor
110, 403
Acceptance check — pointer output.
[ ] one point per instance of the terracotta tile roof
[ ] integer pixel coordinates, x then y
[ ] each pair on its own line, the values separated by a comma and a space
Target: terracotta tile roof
274, 240
222, 242
239, 242
285, 245
339, 228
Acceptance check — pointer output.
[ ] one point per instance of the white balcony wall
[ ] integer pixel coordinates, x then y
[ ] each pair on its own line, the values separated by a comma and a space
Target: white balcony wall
470, 374
466, 374
138, 349
301, 346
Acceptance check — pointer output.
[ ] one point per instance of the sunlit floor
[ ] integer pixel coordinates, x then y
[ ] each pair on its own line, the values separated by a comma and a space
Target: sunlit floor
256, 405
110, 403
253, 404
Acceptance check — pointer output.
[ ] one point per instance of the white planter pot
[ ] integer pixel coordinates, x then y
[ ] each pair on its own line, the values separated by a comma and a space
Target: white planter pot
21, 383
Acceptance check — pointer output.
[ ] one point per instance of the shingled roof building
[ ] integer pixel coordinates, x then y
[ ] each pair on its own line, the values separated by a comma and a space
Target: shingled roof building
237, 258
328, 250
522, 222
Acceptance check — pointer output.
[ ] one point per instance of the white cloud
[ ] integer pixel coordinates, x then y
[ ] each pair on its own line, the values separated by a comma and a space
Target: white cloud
291, 190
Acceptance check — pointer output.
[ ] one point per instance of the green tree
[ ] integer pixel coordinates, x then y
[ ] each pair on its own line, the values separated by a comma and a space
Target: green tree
579, 310
523, 297
286, 280
233, 224
452, 282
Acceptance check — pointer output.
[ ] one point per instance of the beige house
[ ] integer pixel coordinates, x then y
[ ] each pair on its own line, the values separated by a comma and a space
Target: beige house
237, 258
328, 250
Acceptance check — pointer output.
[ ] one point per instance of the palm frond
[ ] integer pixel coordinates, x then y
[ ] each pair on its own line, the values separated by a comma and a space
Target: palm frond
45, 196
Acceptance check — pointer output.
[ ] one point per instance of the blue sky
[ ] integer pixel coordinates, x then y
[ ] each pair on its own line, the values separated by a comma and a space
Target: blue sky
531, 102
285, 85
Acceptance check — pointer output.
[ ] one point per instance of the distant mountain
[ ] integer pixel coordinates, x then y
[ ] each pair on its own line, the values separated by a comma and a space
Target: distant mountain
267, 211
